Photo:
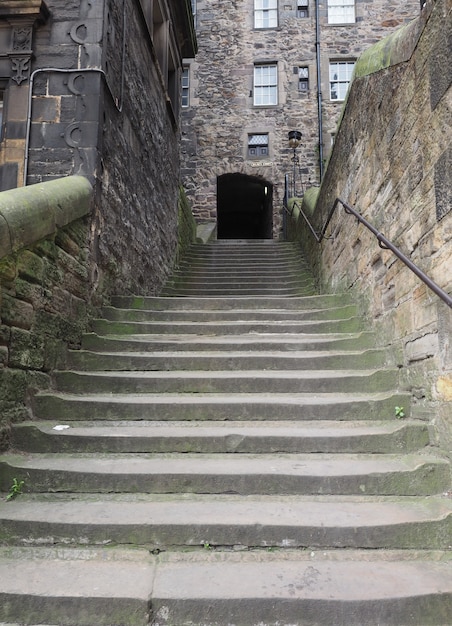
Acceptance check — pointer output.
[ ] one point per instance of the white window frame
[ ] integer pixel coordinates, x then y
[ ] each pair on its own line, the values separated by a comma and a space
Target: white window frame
340, 76
265, 84
341, 12
185, 87
265, 14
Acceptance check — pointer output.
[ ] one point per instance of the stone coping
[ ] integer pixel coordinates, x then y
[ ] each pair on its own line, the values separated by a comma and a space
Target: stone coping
29, 214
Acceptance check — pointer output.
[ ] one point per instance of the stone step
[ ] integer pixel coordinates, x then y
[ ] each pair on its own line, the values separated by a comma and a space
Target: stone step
84, 587
237, 382
220, 360
221, 437
80, 588
110, 406
257, 342
350, 325
224, 304
114, 313
171, 522
361, 588
236, 289
244, 474
75, 587
226, 268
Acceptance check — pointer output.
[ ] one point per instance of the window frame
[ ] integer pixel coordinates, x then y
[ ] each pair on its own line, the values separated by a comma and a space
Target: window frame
303, 80
3, 105
262, 149
260, 87
269, 15
302, 9
338, 80
185, 87
341, 12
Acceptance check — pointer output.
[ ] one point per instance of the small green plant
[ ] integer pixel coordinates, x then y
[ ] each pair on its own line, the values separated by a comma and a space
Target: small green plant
399, 412
206, 545
15, 489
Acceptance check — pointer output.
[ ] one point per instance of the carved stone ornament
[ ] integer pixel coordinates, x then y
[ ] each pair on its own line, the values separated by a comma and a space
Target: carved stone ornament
20, 68
22, 38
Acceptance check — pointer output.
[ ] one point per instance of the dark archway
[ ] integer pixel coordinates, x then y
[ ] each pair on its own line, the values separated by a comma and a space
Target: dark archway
244, 207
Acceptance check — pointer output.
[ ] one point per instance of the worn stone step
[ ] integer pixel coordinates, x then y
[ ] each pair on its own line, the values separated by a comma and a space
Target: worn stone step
344, 312
220, 360
350, 325
221, 437
376, 406
232, 281
237, 290
224, 304
244, 474
252, 270
359, 589
81, 588
247, 381
75, 587
226, 343
272, 269
170, 522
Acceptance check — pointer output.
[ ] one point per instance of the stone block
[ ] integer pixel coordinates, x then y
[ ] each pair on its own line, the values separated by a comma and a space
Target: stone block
26, 350
421, 348
16, 312
30, 266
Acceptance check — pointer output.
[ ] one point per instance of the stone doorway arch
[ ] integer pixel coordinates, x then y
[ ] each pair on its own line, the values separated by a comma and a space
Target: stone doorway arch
244, 207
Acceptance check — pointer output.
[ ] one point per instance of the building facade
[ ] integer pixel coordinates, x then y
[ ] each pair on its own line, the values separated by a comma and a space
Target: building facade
264, 68
93, 88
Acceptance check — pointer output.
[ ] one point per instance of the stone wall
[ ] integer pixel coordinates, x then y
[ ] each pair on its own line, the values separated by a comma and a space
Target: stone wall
44, 287
221, 114
392, 162
101, 99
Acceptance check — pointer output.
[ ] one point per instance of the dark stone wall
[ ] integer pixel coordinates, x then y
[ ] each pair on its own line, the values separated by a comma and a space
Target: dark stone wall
135, 225
117, 128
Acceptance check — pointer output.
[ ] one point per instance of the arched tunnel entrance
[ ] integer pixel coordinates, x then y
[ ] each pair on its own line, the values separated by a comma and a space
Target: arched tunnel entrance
244, 207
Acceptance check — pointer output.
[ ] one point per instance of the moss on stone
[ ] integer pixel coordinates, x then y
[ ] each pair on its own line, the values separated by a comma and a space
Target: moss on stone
396, 48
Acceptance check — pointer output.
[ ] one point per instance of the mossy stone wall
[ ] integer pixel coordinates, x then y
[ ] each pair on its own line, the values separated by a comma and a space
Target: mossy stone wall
44, 287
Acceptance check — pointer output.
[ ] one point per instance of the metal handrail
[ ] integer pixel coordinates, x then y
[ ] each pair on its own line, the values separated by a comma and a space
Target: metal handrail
383, 242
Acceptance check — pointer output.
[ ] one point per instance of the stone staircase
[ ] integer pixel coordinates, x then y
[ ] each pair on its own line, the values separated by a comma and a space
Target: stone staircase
227, 456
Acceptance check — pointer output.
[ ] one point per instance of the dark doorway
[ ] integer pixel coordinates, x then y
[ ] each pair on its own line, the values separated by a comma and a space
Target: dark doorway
244, 207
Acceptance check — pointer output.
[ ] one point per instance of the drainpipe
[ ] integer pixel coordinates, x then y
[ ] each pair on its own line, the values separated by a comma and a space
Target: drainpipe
319, 86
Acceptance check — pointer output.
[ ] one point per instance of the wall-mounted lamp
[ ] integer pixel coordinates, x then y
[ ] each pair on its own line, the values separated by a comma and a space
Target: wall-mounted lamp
294, 139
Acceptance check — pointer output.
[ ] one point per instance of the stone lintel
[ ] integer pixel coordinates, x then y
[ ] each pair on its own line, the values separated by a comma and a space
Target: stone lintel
32, 9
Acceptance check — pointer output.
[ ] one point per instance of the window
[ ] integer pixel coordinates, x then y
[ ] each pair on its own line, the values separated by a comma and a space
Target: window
185, 100
303, 8
258, 145
2, 101
303, 79
340, 76
265, 13
265, 85
341, 11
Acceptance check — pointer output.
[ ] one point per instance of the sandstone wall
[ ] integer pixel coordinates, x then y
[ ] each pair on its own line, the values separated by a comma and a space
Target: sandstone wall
392, 161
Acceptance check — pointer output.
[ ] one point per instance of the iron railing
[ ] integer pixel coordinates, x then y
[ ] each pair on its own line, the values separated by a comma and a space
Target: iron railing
383, 242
